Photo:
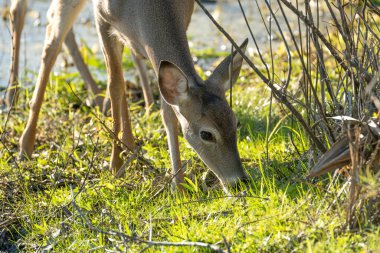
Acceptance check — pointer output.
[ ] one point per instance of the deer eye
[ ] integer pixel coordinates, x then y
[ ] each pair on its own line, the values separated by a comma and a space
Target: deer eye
207, 136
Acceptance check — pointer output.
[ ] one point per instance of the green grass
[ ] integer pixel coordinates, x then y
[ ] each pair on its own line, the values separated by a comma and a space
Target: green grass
65, 200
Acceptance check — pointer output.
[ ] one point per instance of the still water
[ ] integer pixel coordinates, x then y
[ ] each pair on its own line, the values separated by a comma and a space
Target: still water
202, 33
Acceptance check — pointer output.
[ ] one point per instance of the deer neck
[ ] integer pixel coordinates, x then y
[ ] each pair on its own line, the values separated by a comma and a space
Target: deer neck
155, 29
176, 52
167, 41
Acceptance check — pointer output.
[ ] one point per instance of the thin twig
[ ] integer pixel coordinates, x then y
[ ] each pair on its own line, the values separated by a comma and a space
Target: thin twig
134, 239
279, 95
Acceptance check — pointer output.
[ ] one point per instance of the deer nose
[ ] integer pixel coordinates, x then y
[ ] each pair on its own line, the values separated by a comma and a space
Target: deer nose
242, 184
242, 179
238, 184
245, 180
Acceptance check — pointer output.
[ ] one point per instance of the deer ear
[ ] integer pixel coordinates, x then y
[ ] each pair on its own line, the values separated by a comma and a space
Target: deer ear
220, 78
173, 83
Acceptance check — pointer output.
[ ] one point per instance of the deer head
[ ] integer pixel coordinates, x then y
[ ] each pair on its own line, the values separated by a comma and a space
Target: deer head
207, 121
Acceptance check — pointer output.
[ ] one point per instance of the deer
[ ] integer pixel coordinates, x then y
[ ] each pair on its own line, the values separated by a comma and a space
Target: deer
17, 13
155, 30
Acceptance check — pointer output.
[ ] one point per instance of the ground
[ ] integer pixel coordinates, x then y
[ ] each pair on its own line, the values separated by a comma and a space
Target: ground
65, 200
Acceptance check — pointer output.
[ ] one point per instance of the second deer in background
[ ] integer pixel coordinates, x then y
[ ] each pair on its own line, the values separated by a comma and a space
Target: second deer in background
18, 11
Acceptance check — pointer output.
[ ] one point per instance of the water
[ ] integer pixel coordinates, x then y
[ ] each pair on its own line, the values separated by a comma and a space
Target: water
202, 33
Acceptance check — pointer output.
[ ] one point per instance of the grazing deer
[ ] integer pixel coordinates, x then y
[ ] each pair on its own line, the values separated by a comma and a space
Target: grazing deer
17, 18
155, 30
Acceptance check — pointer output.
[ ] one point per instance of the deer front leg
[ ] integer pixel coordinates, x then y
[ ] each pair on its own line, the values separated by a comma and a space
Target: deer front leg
55, 34
17, 19
171, 127
112, 50
144, 82
89, 81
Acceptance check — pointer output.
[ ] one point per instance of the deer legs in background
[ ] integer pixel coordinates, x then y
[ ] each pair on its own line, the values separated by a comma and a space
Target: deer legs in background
17, 19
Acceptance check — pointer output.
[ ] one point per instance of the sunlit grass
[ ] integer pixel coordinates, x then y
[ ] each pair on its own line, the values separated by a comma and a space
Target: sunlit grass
278, 211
